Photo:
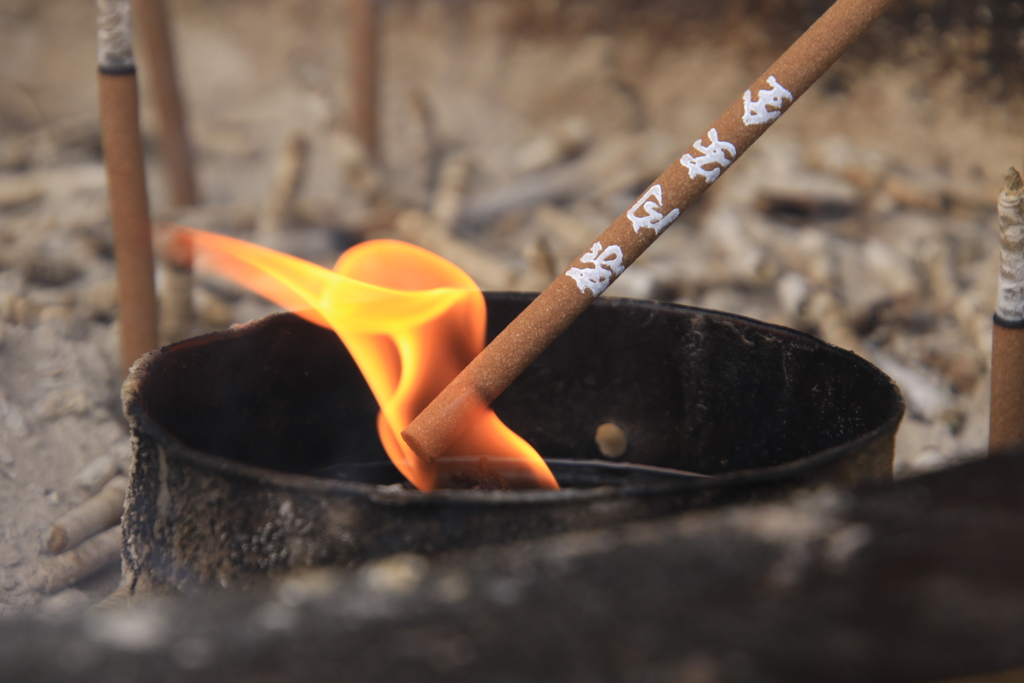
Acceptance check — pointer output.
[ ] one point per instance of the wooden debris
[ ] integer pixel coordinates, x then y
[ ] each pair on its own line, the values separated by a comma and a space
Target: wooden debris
875, 176
176, 310
357, 164
540, 266
96, 514
98, 301
742, 256
489, 272
96, 474
914, 194
19, 190
895, 271
808, 197
926, 397
451, 186
434, 230
617, 165
828, 313
428, 152
288, 171
212, 309
792, 293
637, 283
941, 276
66, 569
573, 233
565, 140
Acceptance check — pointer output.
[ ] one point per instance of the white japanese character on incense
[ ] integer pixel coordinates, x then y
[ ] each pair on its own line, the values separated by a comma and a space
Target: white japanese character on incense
650, 206
648, 212
607, 263
717, 155
768, 105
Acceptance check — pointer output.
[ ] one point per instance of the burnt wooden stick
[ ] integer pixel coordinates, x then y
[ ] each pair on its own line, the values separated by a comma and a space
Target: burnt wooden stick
362, 38
126, 182
61, 571
616, 248
1006, 419
100, 512
175, 150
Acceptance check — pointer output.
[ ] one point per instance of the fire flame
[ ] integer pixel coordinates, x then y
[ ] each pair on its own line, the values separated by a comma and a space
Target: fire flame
411, 321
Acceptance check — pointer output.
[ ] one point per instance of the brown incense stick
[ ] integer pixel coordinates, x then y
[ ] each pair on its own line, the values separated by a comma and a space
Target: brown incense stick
161, 83
126, 182
571, 293
1006, 419
362, 37
160, 77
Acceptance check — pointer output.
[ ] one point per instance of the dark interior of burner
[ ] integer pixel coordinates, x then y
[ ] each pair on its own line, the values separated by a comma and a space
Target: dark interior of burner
692, 390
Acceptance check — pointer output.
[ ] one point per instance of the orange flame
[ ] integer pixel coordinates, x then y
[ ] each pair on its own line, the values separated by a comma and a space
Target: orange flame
411, 321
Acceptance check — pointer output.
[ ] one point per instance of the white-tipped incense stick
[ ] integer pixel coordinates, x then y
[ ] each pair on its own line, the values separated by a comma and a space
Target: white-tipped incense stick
126, 181
1006, 422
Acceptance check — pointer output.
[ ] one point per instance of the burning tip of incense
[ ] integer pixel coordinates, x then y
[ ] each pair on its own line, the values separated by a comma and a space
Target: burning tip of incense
1012, 181
418, 447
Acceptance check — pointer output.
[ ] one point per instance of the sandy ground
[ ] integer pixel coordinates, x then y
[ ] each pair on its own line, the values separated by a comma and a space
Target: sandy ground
866, 215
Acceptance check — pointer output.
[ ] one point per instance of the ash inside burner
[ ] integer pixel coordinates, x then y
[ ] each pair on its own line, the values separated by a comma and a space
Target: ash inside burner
569, 473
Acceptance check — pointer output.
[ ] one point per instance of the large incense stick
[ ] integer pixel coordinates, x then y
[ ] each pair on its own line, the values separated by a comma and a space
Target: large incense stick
126, 182
632, 232
1006, 419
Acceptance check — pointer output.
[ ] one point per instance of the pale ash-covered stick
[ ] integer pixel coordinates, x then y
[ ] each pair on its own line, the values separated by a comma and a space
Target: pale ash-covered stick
126, 181
94, 554
1006, 416
100, 512
433, 431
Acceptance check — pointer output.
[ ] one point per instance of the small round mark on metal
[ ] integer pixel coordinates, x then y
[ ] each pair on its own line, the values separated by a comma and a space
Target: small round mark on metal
611, 440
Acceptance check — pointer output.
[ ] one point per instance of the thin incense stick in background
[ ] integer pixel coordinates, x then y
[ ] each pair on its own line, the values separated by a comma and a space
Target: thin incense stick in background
160, 84
632, 232
160, 78
362, 37
126, 182
1006, 422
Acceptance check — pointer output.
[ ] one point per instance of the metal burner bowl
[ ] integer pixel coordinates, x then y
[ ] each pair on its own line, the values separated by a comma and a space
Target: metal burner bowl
256, 449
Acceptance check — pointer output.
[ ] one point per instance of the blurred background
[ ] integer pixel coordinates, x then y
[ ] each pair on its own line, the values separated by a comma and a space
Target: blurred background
509, 134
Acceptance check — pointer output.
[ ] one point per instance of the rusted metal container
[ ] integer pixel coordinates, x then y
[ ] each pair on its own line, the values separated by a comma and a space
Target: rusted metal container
239, 437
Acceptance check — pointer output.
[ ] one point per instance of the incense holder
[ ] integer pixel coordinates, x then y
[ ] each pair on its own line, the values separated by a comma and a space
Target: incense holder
256, 451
